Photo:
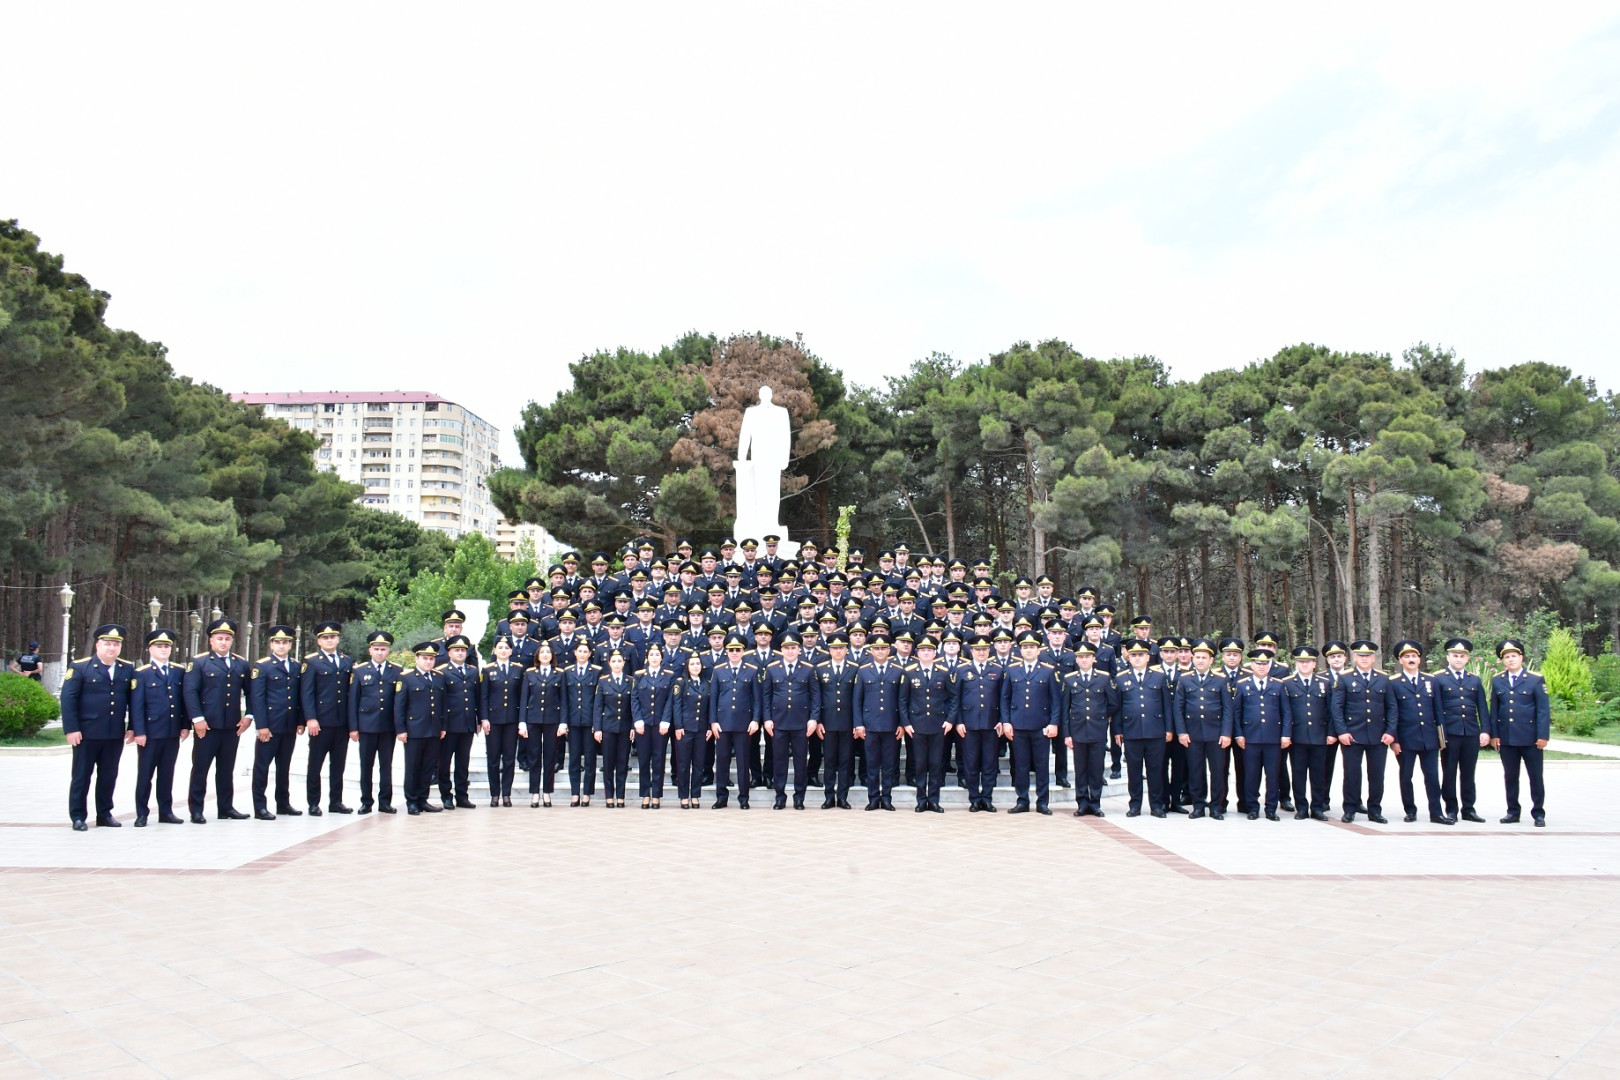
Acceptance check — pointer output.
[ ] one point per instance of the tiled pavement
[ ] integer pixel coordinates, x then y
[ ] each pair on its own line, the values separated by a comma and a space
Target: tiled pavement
839, 944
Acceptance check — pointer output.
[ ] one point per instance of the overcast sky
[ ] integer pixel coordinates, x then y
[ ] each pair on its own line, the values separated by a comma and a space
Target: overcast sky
465, 198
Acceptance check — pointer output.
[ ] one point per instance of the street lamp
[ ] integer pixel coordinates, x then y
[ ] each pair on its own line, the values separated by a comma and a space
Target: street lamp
66, 596
155, 606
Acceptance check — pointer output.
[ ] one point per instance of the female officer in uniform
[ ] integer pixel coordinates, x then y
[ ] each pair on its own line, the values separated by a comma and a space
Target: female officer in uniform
611, 725
542, 724
649, 708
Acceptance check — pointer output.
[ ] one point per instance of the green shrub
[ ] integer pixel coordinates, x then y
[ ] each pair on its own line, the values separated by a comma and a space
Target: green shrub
1608, 712
25, 706
1579, 722
1567, 670
1606, 676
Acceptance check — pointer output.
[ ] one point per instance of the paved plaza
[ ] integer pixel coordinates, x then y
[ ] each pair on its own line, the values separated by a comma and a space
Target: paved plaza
624, 943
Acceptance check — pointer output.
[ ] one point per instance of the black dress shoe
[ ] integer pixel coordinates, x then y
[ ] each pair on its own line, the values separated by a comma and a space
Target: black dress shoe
1114, 774
934, 807
79, 825
464, 803
233, 814
1411, 816
990, 807
1319, 815
843, 804
920, 808
1063, 781
874, 805
1441, 819
413, 810
170, 819
1254, 815
1077, 813
829, 803
386, 808
314, 811
446, 802
742, 802
1177, 808
198, 819
431, 809
494, 802
1019, 808
1271, 815
336, 808
888, 803
1286, 804
264, 815
1135, 811
815, 780
365, 808
781, 803
1097, 811
1302, 815
1539, 820
1042, 808
1198, 812
1349, 816
1161, 813
798, 802
720, 803
140, 821
108, 822
1217, 815
1377, 819
1511, 819
287, 811
1469, 815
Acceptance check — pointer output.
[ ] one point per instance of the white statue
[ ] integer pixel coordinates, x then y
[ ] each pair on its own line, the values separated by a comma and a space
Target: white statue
763, 447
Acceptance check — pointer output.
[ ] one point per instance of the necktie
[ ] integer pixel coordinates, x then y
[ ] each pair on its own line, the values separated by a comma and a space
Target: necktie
790, 671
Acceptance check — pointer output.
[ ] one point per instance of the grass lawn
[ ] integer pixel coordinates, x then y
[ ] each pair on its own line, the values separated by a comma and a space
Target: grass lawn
1606, 733
48, 737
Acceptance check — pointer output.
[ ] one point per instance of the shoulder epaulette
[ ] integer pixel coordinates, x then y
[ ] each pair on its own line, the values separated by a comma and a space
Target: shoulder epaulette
143, 667
313, 655
262, 660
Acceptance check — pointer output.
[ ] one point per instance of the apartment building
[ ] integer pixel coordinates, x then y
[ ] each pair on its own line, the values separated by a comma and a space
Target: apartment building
416, 454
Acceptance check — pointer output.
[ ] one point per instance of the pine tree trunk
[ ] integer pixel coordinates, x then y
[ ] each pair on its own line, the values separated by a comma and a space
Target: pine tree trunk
1375, 574
950, 521
1350, 563
1397, 583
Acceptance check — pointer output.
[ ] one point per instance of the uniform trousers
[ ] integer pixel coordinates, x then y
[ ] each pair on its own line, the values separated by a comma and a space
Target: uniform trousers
1266, 759
546, 750
217, 750
710, 746
1114, 751
1206, 774
581, 761
882, 764
1144, 758
759, 758
421, 766
1284, 784
277, 749
857, 755
1060, 758
1232, 776
331, 748
731, 745
1429, 761
500, 758
1174, 771
980, 763
929, 749
157, 756
650, 758
1310, 768
1088, 775
689, 763
789, 744
1458, 761
955, 757
1329, 759
455, 752
377, 752
98, 756
1530, 756
615, 747
837, 763
1029, 750
814, 754
1375, 754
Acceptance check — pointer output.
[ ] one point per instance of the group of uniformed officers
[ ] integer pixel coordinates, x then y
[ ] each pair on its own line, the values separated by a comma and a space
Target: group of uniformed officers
740, 663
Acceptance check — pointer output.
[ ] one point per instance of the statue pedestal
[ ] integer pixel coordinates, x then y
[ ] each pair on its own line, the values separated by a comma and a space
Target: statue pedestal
754, 517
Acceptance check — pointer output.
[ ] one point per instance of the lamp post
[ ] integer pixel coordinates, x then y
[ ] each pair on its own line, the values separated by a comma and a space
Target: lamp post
66, 596
155, 606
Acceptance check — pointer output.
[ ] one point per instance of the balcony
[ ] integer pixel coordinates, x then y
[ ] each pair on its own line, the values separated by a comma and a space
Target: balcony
384, 439
377, 482
440, 485
378, 422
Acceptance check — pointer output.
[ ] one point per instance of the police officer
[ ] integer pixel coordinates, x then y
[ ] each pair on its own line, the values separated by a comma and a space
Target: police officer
612, 722
1364, 721
325, 690
929, 708
500, 710
1310, 705
835, 722
878, 689
689, 728
29, 664
371, 719
1199, 705
461, 722
735, 706
1231, 669
95, 716
1146, 725
1521, 724
1090, 708
543, 725
978, 722
1257, 720
1466, 716
419, 696
791, 703
275, 699
1417, 731
454, 621
1031, 707
215, 693
158, 723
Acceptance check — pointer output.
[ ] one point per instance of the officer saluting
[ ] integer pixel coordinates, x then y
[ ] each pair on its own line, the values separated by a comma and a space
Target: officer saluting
419, 723
1466, 716
158, 723
371, 718
325, 697
1521, 724
274, 699
95, 715
215, 691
